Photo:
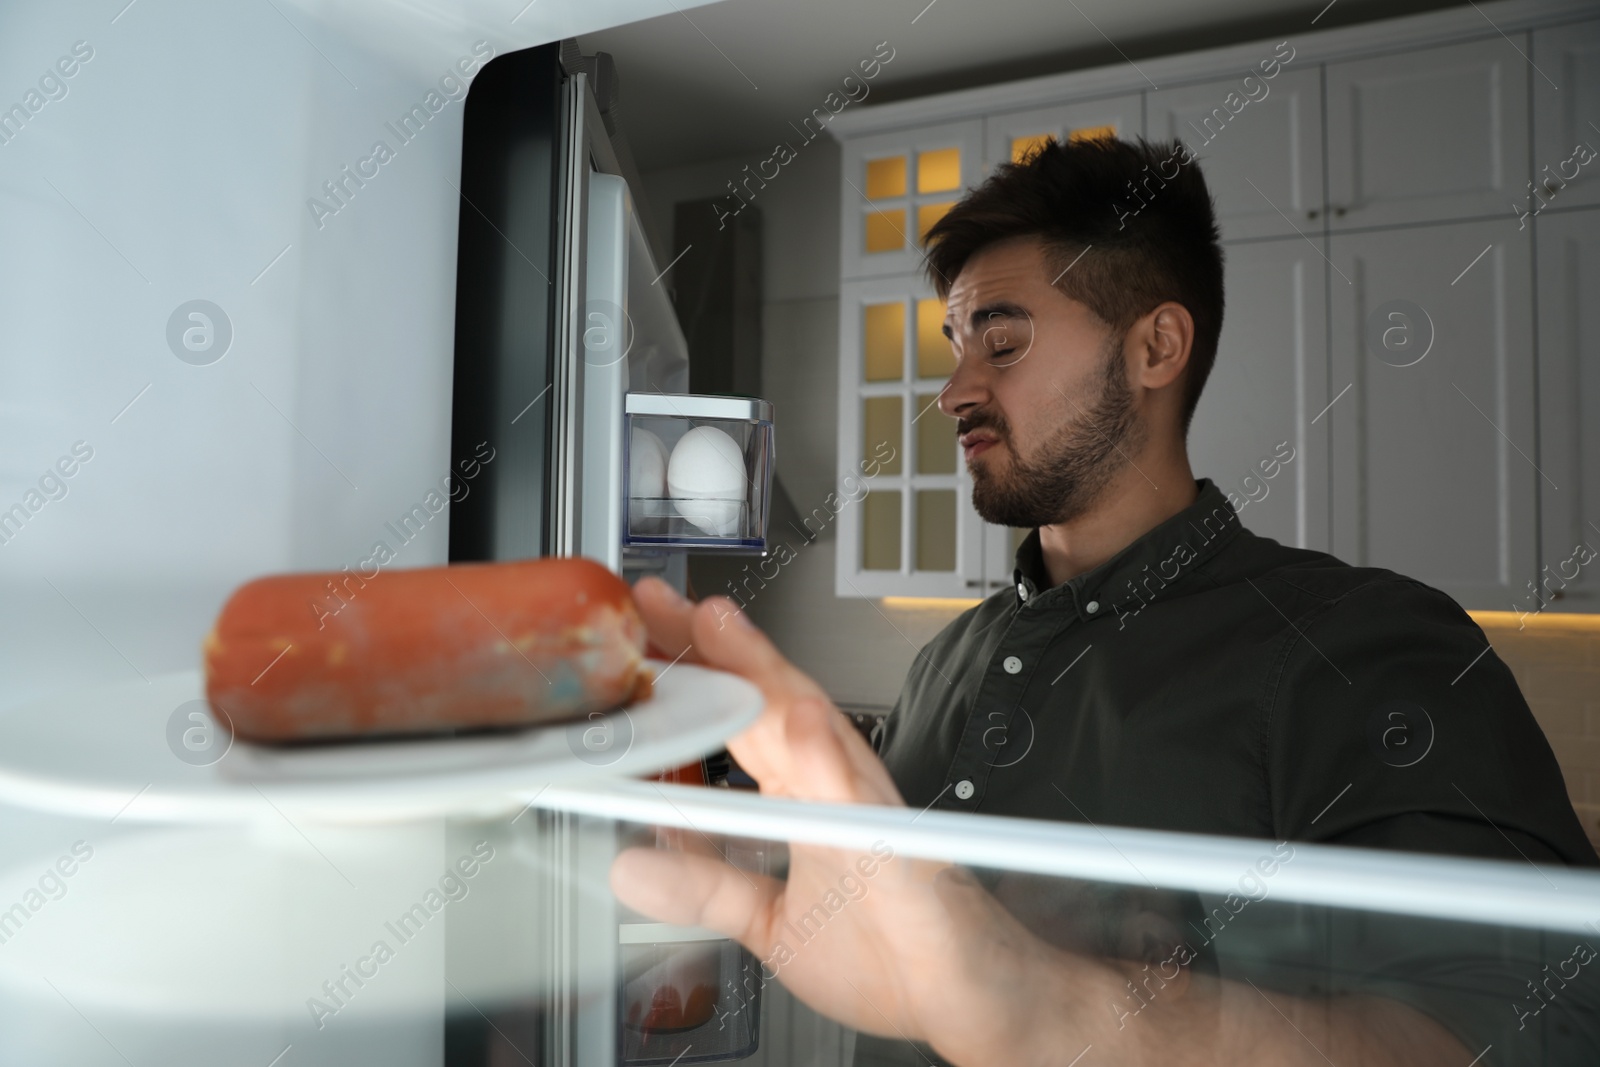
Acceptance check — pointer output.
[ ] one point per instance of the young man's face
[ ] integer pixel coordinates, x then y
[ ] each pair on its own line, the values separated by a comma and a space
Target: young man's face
1041, 391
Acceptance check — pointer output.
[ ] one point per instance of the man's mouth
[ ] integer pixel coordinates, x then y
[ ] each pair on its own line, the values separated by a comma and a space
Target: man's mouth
976, 443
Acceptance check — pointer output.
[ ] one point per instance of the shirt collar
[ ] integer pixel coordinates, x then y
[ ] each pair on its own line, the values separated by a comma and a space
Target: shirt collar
1158, 559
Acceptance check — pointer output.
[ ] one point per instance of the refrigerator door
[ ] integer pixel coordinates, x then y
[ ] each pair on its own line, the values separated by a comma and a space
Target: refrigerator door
559, 313
630, 340
512, 296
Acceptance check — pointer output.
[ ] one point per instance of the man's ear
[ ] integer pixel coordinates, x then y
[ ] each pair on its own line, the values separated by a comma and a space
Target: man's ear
1166, 337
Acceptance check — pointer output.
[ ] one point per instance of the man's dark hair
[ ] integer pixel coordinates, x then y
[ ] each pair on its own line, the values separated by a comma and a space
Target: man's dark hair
1138, 215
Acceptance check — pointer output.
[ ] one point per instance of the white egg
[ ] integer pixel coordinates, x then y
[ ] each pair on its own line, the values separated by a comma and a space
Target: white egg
706, 476
647, 465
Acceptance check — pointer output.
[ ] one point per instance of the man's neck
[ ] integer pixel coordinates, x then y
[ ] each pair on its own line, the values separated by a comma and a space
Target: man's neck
1137, 500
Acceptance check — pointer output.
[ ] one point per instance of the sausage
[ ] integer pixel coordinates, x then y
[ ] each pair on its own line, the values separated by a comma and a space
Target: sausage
338, 655
678, 991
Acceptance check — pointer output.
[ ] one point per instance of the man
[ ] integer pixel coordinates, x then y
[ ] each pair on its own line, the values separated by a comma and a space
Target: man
1153, 665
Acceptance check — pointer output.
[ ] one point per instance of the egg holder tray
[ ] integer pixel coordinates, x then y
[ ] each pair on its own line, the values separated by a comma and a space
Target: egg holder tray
667, 506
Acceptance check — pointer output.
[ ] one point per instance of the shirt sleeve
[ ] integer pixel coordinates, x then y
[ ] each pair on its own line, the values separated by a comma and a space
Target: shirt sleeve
1392, 724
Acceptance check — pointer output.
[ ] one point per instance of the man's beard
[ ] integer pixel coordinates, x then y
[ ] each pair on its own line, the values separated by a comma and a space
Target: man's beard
1071, 469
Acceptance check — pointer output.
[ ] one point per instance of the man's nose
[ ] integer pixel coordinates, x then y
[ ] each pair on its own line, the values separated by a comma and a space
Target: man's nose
966, 390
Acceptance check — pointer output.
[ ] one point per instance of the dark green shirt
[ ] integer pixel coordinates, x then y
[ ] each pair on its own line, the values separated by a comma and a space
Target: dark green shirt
1208, 680
1211, 681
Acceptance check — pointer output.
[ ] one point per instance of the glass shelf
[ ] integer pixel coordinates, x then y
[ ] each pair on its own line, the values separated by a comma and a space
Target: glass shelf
563, 933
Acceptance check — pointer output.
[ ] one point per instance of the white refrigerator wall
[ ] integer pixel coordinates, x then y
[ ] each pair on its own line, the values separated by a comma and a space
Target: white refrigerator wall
179, 162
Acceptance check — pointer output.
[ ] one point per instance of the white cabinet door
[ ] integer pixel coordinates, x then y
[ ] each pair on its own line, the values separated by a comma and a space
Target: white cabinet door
894, 186
1261, 154
1433, 447
1569, 407
1566, 114
1437, 133
905, 519
1006, 137
1261, 430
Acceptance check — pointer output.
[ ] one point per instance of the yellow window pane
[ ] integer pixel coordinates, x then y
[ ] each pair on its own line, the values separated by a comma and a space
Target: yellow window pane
886, 230
927, 215
938, 170
1022, 147
884, 341
936, 530
880, 437
936, 437
886, 177
880, 530
935, 359
1092, 133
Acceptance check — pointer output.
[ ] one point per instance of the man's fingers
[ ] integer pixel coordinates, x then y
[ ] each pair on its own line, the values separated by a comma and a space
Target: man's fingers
666, 617
688, 890
726, 638
819, 755
836, 763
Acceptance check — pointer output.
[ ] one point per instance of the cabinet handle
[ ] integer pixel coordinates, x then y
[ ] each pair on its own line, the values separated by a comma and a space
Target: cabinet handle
1339, 210
974, 583
1313, 213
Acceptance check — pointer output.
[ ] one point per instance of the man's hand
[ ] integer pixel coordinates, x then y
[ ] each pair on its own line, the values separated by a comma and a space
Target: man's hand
900, 947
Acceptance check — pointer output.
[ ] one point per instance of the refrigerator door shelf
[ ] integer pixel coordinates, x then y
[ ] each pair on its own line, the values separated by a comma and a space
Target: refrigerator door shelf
698, 472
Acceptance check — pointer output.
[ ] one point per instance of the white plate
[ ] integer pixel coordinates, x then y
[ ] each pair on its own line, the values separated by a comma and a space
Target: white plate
148, 753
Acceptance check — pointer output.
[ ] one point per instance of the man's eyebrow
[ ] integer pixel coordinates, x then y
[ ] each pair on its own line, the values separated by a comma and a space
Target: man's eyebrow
999, 309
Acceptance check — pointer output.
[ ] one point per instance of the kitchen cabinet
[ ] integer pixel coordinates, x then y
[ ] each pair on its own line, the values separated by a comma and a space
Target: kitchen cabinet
1434, 456
1566, 113
1008, 136
905, 519
1263, 164
1386, 162
1432, 133
1569, 409
894, 186
1260, 430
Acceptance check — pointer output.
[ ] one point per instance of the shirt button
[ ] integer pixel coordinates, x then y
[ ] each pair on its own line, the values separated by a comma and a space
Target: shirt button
1092, 606
1012, 664
1022, 591
964, 789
